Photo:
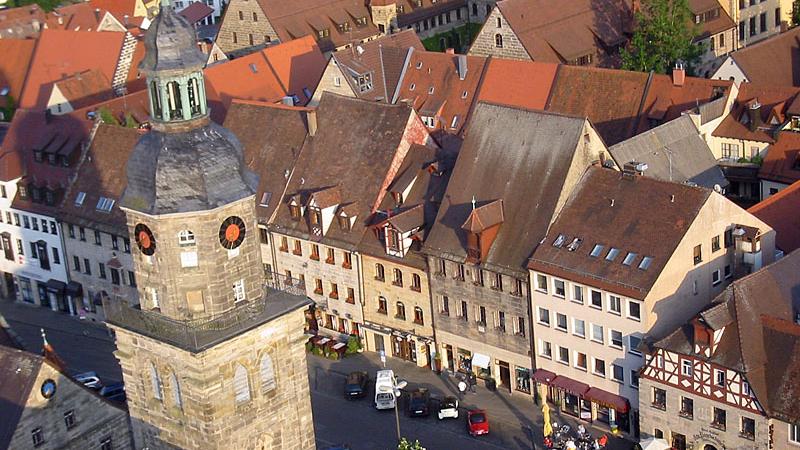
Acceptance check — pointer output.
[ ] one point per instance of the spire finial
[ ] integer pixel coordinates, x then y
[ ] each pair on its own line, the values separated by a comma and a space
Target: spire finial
473, 202
44, 338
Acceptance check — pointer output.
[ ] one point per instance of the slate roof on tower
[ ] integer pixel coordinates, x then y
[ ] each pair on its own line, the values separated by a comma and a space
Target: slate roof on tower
171, 44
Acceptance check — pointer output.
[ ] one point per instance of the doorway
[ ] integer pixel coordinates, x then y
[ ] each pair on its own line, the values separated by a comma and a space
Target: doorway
379, 346
709, 447
505, 375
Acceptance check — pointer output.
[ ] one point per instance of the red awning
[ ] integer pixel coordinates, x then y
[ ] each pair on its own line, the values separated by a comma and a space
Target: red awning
543, 376
607, 399
570, 385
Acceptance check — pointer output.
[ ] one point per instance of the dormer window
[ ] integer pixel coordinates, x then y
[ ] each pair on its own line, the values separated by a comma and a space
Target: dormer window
38, 155
52, 158
23, 191
398, 197
37, 196
49, 197
361, 21
80, 198
324, 33
401, 9
105, 204
392, 239
481, 228
294, 211
343, 27
364, 82
314, 216
344, 223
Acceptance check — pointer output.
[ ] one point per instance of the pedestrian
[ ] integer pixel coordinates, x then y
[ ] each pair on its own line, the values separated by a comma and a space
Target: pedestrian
472, 382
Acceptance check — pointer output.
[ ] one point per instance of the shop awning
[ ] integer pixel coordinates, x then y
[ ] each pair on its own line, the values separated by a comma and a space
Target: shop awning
569, 385
479, 360
55, 286
74, 288
543, 376
607, 399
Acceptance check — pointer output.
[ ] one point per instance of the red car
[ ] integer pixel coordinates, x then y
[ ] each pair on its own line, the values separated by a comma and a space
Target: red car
477, 422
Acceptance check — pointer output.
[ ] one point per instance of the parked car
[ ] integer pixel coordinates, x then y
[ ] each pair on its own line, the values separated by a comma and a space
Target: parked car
89, 379
115, 392
419, 403
448, 408
355, 386
477, 422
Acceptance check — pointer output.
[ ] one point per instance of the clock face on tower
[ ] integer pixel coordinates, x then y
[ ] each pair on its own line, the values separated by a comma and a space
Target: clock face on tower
231, 232
144, 239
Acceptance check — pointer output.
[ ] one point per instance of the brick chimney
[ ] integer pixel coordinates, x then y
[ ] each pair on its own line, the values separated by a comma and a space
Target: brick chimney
450, 51
678, 75
754, 114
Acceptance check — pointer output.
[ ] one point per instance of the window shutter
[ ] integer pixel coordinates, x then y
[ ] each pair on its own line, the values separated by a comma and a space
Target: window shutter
267, 374
241, 386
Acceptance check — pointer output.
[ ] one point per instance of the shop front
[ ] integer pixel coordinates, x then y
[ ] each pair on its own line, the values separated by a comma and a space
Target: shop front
609, 409
482, 365
398, 344
522, 378
571, 394
541, 380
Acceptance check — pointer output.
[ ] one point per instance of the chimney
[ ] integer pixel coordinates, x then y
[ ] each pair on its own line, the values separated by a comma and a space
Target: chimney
678, 75
97, 14
633, 169
754, 114
125, 20
450, 51
61, 20
311, 119
288, 101
462, 67
702, 337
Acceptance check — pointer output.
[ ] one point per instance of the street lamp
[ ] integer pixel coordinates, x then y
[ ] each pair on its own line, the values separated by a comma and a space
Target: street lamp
397, 386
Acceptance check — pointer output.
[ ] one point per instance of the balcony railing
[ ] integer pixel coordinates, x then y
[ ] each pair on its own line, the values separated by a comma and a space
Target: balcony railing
281, 295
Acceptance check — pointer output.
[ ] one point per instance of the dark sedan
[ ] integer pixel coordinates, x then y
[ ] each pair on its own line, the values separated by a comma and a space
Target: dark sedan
355, 386
419, 403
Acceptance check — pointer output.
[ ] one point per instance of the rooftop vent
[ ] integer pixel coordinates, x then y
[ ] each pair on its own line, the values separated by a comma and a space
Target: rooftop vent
634, 168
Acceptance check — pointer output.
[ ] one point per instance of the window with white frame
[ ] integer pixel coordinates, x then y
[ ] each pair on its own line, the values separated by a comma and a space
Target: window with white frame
719, 378
617, 373
577, 293
563, 355
186, 237
597, 333
634, 310
686, 368
597, 299
614, 304
599, 367
715, 277
545, 349
794, 433
578, 327
580, 360
559, 290
541, 283
561, 322
616, 338
633, 345
238, 291
544, 316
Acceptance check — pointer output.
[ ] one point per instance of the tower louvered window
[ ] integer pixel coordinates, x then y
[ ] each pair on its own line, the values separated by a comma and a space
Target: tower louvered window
241, 385
176, 391
155, 382
267, 374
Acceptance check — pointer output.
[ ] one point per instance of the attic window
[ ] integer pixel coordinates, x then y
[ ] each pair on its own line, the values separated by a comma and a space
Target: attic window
324, 33
253, 68
364, 82
49, 197
629, 259
265, 198
430, 90
419, 64
411, 88
454, 123
344, 224
80, 198
361, 21
612, 254
294, 211
105, 204
37, 155
574, 244
598, 248
646, 261
559, 241
464, 94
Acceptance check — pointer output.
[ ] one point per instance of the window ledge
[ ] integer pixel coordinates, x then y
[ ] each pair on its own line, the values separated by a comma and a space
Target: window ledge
659, 406
416, 288
718, 426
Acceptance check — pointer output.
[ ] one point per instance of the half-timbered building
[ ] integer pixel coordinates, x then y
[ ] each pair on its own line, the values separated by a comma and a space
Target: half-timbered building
727, 378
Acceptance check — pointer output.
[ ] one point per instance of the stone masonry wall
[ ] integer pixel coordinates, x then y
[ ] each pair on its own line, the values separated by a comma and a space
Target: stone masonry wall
96, 419
234, 32
208, 415
484, 44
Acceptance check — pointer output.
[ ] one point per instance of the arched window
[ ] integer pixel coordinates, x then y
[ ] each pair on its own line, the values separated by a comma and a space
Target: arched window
194, 97
176, 390
382, 305
401, 311
379, 274
155, 381
155, 95
498, 40
398, 277
241, 384
174, 100
474, 9
186, 237
499, 23
241, 15
418, 316
267, 374
416, 283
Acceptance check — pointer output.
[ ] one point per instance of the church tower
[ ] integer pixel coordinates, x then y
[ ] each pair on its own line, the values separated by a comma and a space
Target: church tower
213, 357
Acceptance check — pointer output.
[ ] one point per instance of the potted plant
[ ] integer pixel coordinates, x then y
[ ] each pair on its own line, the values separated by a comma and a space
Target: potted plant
353, 345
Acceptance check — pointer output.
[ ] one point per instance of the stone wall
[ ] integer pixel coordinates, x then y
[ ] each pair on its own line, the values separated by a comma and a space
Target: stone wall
217, 267
328, 83
206, 414
96, 419
235, 33
485, 43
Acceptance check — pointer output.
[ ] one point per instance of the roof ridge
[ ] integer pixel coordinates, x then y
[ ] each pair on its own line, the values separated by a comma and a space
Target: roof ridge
774, 198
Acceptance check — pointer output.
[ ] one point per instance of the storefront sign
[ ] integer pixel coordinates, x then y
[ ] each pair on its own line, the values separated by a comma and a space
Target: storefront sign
710, 436
586, 415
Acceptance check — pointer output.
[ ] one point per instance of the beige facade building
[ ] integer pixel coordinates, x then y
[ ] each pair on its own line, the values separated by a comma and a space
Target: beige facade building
212, 357
600, 283
757, 20
722, 379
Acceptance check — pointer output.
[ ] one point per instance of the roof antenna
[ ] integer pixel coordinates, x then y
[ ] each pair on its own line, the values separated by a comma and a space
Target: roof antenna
473, 202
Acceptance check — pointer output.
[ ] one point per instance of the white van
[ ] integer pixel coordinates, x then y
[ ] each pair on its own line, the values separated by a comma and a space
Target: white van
384, 389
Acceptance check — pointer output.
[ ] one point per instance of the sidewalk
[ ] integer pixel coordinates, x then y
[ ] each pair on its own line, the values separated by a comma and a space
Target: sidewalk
516, 409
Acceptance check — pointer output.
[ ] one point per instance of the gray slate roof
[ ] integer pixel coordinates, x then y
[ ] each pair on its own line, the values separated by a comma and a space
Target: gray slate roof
195, 170
171, 44
673, 151
519, 156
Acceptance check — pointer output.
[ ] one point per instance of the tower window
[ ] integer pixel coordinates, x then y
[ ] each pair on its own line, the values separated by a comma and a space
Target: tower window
241, 385
238, 291
174, 100
194, 97
176, 391
186, 237
155, 382
157, 110
267, 374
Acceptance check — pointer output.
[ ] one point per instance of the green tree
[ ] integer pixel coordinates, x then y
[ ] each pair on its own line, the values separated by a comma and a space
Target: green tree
406, 445
8, 110
662, 37
47, 5
107, 116
130, 122
795, 13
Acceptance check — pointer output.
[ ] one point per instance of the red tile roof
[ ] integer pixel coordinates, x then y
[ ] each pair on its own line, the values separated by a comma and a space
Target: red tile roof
267, 76
61, 54
782, 163
716, 25
666, 101
75, 17
772, 98
611, 99
524, 84
119, 8
779, 211
772, 61
567, 30
196, 12
17, 54
86, 88
433, 86
22, 22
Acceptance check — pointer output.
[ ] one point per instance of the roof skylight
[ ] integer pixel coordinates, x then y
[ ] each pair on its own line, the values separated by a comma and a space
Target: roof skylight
598, 248
646, 261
